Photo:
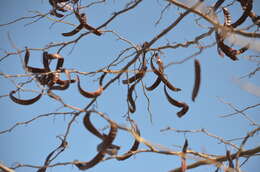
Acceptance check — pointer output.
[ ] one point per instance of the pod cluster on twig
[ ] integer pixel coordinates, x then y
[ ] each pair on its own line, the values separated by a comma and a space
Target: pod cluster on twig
220, 37
106, 146
161, 78
51, 79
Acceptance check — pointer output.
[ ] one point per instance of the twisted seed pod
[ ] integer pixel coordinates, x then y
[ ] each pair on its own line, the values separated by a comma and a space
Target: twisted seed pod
139, 75
227, 17
174, 102
247, 6
197, 79
29, 68
162, 77
106, 143
112, 149
158, 80
132, 107
74, 31
154, 85
23, 101
89, 94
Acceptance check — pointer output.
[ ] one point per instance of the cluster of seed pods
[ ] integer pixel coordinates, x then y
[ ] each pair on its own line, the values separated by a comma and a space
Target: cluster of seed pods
60, 5
52, 80
106, 146
134, 80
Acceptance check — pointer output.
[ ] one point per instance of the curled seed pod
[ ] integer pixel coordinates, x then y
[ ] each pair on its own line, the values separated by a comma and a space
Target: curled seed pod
58, 57
197, 79
106, 143
247, 7
90, 127
111, 150
89, 94
45, 61
183, 111
174, 102
137, 76
132, 107
227, 17
162, 77
133, 148
154, 85
29, 68
55, 13
23, 101
74, 31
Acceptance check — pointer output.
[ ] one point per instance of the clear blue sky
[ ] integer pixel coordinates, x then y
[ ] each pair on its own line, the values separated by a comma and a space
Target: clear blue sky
30, 144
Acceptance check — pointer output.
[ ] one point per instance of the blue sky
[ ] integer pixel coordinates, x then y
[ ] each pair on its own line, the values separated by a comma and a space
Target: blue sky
31, 143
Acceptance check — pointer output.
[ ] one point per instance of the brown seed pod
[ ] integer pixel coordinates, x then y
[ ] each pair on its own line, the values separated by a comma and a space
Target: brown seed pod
154, 85
162, 77
89, 94
247, 6
29, 68
197, 79
106, 143
227, 17
83, 24
90, 127
74, 31
174, 102
133, 148
230, 52
24, 101
131, 107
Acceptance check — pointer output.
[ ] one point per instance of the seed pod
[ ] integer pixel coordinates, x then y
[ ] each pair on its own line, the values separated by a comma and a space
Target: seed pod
24, 101
162, 77
131, 107
74, 31
154, 85
197, 79
29, 68
227, 17
174, 102
247, 6
89, 94
106, 143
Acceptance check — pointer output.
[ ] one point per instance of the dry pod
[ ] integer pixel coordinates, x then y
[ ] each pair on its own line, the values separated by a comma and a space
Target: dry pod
106, 144
197, 79
176, 103
24, 101
162, 77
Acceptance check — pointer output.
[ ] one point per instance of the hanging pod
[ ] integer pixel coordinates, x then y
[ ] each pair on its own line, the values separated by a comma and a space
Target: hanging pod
162, 77
197, 79
24, 101
176, 103
108, 140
